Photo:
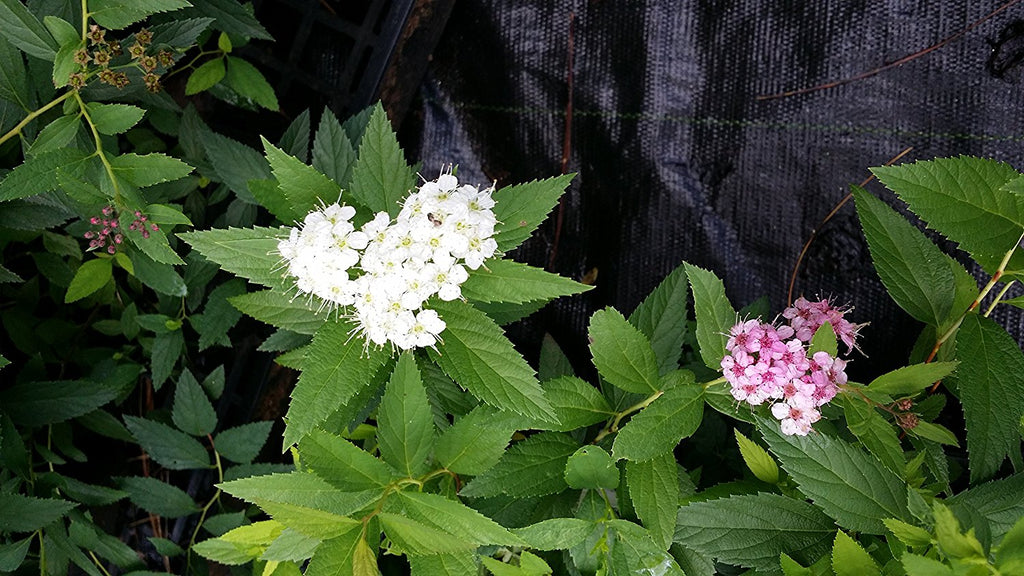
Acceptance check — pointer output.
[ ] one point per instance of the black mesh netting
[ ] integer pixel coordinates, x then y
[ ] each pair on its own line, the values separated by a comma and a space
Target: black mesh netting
678, 159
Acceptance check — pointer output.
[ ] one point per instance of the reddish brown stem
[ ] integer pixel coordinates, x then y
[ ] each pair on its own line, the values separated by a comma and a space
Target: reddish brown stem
566, 137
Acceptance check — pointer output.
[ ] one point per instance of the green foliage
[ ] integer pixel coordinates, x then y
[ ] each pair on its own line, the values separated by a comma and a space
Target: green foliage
622, 353
380, 175
715, 315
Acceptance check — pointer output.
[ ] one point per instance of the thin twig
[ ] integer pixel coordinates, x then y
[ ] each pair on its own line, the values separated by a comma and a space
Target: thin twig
814, 232
566, 137
900, 62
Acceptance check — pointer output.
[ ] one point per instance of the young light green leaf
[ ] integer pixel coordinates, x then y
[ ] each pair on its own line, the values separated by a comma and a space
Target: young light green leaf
42, 403
591, 467
874, 432
170, 448
908, 533
247, 252
416, 538
520, 209
1010, 554
850, 559
935, 433
55, 135
715, 315
657, 429
915, 565
954, 543
757, 459
303, 186
291, 546
19, 513
300, 489
380, 176
622, 354
533, 467
850, 485
911, 379
960, 197
475, 442
334, 556
279, 309
476, 354
117, 14
753, 530
192, 410
824, 340
158, 497
912, 269
205, 76
250, 83
242, 443
24, 30
90, 277
341, 463
333, 153
990, 381
662, 318
405, 426
451, 517
337, 370
364, 560
149, 169
513, 282
114, 118
654, 492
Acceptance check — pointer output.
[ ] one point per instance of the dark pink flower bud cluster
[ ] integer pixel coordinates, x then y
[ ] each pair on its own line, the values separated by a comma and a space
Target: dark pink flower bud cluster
767, 363
105, 234
140, 225
806, 317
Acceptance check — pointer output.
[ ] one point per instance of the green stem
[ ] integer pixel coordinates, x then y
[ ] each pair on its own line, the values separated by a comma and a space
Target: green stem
98, 563
613, 426
190, 64
206, 509
998, 297
35, 114
85, 19
99, 147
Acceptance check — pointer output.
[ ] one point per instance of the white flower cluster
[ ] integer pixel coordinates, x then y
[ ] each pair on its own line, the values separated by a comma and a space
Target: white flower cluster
395, 265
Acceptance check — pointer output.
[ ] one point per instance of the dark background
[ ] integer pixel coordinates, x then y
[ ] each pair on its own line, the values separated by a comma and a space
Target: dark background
677, 157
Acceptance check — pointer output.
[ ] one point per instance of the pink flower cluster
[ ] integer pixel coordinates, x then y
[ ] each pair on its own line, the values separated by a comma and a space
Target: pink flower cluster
106, 234
767, 363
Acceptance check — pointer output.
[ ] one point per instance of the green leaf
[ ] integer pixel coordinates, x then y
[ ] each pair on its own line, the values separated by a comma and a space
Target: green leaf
13, 554
291, 546
557, 533
622, 354
380, 176
117, 14
443, 564
299, 489
13, 81
591, 467
114, 118
338, 368
935, 433
962, 199
476, 354
180, 33
61, 30
192, 410
874, 432
243, 443
715, 315
333, 154
953, 543
475, 442
170, 448
159, 277
90, 277
850, 485
248, 252
913, 270
249, 82
1010, 554
24, 30
451, 517
753, 530
166, 351
824, 340
149, 169
231, 17
654, 492
42, 403
241, 545
281, 310
634, 548
295, 140
757, 459
158, 497
990, 382
850, 559
510, 281
533, 467
334, 556
341, 463
38, 174
908, 533
662, 318
577, 404
995, 505
235, 164
219, 315
912, 379
405, 426
20, 513
415, 538
921, 566
304, 186
520, 209
166, 547
166, 214
55, 135
657, 429
91, 494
